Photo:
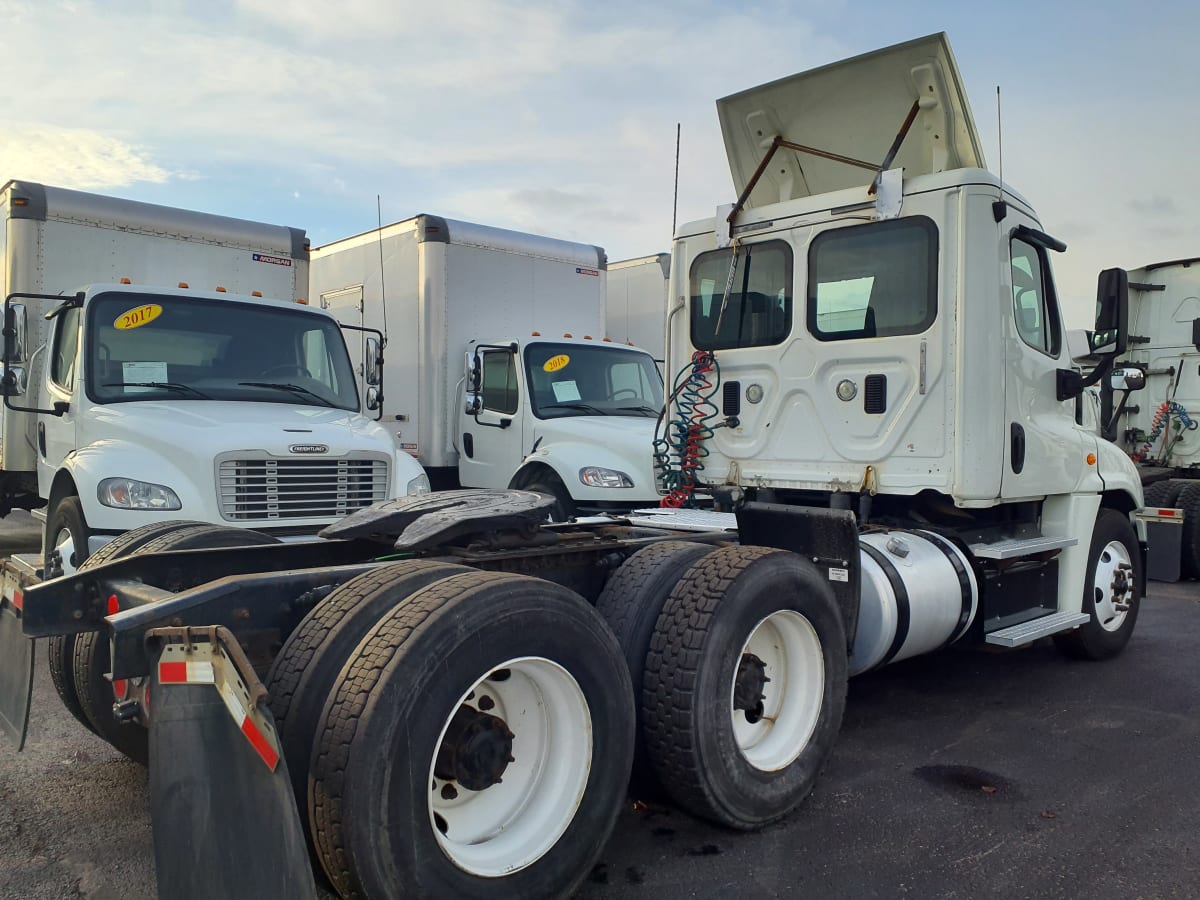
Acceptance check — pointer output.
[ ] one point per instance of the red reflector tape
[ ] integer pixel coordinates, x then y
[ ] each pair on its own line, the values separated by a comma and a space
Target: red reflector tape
19, 599
260, 743
1170, 513
186, 673
114, 605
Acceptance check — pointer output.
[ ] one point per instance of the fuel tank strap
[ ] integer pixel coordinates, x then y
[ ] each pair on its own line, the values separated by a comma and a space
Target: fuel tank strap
903, 614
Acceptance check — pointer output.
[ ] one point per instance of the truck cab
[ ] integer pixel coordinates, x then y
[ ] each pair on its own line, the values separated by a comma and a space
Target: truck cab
567, 416
145, 404
883, 316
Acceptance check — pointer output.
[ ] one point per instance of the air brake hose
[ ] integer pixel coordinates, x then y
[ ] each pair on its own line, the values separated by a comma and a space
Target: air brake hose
679, 439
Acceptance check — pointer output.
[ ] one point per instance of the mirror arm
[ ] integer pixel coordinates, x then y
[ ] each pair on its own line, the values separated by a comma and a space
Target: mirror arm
1070, 383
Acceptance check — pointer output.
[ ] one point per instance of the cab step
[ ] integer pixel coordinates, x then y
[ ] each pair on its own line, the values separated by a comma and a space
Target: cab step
1013, 548
1016, 635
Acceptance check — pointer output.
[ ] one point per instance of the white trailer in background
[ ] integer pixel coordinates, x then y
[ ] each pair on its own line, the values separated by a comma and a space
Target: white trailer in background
543, 401
636, 300
129, 404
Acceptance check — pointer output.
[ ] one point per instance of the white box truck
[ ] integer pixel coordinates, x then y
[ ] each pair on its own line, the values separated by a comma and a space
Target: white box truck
134, 403
543, 401
636, 302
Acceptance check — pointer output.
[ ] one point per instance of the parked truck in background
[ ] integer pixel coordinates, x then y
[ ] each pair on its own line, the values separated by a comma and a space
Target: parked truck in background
636, 301
877, 388
542, 402
139, 402
1158, 427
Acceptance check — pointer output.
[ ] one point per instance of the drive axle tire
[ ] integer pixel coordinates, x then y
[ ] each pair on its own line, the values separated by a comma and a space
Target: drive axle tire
478, 745
1189, 501
62, 646
307, 668
631, 602
1165, 493
745, 686
1113, 581
92, 661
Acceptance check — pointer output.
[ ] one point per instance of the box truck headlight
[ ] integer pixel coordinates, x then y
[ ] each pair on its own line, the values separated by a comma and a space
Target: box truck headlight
418, 485
597, 476
128, 493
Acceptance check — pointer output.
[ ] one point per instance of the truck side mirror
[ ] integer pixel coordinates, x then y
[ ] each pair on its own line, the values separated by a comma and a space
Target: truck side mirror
372, 399
1126, 379
473, 405
472, 373
13, 381
1112, 313
373, 364
15, 329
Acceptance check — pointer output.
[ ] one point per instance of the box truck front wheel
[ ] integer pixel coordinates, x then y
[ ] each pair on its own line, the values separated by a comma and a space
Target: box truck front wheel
631, 602
563, 509
745, 685
1110, 593
477, 744
66, 541
62, 646
95, 692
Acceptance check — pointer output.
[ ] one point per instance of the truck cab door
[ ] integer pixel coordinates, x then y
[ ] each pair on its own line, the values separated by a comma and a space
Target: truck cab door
55, 435
346, 306
491, 419
1045, 449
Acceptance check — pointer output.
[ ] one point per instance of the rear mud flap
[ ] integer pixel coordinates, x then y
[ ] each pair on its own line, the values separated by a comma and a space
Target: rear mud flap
16, 676
221, 802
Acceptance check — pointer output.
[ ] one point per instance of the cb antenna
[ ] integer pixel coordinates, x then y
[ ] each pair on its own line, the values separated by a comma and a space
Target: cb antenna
382, 286
1000, 208
675, 206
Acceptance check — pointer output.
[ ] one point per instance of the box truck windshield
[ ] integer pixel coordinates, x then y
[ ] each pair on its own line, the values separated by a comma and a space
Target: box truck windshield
605, 380
145, 347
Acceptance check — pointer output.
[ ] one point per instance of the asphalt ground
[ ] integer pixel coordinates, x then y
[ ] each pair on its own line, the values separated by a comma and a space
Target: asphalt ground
960, 774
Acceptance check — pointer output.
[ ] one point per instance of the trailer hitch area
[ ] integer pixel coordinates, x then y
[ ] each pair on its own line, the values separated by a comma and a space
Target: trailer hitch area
224, 814
430, 520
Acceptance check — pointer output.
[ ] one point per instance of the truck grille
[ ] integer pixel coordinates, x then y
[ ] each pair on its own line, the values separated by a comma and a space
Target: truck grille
299, 488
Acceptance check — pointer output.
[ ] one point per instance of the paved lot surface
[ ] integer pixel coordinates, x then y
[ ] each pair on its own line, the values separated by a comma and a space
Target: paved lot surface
957, 775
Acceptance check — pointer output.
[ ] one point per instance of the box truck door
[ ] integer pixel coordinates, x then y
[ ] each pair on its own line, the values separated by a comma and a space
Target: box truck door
492, 435
56, 434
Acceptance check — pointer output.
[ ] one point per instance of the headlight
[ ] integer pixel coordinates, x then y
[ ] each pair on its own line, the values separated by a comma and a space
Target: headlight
418, 485
595, 476
128, 493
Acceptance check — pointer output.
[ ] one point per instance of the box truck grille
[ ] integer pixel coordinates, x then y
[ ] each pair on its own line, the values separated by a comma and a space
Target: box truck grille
299, 488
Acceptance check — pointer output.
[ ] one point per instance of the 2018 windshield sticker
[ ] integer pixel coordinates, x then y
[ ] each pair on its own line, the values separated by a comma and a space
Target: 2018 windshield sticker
138, 316
554, 363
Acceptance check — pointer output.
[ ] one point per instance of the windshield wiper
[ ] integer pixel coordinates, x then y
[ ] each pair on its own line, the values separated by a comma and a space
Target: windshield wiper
643, 409
586, 407
164, 385
290, 388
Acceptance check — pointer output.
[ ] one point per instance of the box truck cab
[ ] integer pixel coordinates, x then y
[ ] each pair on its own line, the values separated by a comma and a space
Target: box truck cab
542, 414
544, 401
128, 404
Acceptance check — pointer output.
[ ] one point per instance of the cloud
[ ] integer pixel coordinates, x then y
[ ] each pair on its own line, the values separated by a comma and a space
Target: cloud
73, 157
1155, 205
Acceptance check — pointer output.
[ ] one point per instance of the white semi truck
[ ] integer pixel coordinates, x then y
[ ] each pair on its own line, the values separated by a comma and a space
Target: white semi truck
543, 401
1160, 428
456, 691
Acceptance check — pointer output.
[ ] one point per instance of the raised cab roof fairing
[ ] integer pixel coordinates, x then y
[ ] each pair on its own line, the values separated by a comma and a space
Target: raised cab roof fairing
853, 108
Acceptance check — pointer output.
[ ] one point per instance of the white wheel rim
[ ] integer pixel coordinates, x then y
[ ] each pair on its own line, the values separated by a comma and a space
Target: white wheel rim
510, 825
792, 696
1112, 564
64, 543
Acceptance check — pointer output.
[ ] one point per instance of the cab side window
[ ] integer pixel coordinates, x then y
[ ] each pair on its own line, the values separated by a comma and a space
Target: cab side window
499, 382
1035, 306
66, 346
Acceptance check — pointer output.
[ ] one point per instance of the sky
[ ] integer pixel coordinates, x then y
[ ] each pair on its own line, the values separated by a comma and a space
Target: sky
560, 118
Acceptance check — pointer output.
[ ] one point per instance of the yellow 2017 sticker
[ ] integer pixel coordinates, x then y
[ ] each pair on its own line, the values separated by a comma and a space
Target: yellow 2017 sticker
554, 363
138, 316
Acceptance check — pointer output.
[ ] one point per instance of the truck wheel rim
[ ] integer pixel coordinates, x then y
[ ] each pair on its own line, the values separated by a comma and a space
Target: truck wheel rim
64, 543
523, 800
778, 690
1113, 586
